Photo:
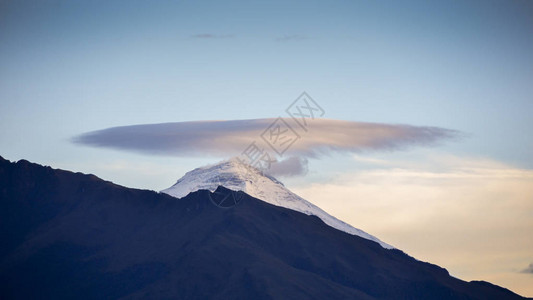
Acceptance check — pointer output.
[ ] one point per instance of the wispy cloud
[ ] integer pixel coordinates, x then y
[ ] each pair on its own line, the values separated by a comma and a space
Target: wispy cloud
211, 36
290, 38
292, 166
529, 269
230, 138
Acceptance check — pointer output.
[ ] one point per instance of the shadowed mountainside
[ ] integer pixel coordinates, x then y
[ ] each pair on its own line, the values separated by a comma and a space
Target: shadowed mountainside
70, 235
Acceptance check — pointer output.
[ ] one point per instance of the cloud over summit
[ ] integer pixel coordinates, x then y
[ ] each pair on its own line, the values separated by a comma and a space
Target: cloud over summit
232, 137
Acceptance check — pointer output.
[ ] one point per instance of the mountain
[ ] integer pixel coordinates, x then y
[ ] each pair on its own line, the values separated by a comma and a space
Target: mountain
74, 236
237, 176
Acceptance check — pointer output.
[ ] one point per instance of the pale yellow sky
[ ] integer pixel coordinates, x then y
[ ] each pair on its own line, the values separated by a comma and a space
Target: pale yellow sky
472, 216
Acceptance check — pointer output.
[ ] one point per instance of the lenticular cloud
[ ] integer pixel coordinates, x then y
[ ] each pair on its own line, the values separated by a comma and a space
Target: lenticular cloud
232, 137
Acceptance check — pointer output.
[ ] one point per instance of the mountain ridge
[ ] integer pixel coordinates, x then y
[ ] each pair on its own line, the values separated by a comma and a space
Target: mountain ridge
72, 235
236, 175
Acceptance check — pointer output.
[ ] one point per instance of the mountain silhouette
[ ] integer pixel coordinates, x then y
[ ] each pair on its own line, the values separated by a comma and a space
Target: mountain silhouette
238, 176
69, 235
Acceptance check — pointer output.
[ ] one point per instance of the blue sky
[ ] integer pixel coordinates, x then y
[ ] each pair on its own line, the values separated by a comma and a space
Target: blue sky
70, 67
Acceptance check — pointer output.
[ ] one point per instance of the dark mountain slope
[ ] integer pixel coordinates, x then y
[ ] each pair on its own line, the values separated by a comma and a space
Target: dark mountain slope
70, 235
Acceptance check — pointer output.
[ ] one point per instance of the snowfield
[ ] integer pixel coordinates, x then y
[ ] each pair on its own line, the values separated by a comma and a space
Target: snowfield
236, 176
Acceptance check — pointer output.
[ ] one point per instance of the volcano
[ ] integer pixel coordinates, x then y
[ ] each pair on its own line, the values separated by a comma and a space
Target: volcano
69, 235
236, 175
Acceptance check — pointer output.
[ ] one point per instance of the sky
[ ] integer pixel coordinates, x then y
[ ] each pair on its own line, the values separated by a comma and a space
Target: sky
463, 201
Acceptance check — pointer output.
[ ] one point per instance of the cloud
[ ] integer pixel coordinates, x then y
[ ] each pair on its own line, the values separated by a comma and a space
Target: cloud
293, 37
291, 166
210, 36
231, 138
529, 269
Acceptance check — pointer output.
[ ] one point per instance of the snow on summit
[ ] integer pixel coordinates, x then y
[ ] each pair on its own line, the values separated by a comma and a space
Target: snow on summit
235, 175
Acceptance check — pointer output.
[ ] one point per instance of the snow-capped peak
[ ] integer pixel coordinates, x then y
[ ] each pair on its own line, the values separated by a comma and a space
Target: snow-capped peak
238, 176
